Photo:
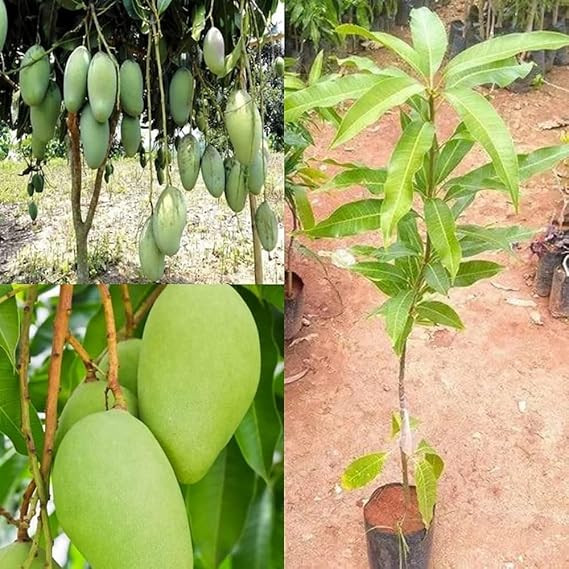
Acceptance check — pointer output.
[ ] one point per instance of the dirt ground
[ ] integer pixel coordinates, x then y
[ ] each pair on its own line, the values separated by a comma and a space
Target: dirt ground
493, 399
216, 244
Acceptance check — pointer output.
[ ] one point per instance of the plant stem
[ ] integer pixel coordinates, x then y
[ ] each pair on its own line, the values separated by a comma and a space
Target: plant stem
113, 373
25, 513
127, 304
404, 415
12, 293
141, 311
84, 356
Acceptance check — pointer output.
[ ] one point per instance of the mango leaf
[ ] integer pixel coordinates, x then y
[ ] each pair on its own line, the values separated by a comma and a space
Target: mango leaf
406, 159
349, 219
359, 63
363, 470
439, 313
398, 46
389, 278
473, 271
218, 505
429, 40
163, 5
452, 154
371, 178
373, 104
475, 239
396, 423
442, 232
411, 267
426, 483
431, 456
384, 254
328, 93
437, 277
303, 207
233, 58
198, 23
489, 129
9, 324
260, 429
254, 548
12, 468
501, 73
397, 311
408, 235
503, 47
316, 68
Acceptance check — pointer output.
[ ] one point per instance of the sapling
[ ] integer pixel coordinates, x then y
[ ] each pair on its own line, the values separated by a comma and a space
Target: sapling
417, 202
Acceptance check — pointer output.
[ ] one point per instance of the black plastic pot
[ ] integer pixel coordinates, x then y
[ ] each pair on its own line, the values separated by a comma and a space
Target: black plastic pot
559, 297
549, 58
457, 40
403, 12
384, 545
294, 304
561, 55
546, 266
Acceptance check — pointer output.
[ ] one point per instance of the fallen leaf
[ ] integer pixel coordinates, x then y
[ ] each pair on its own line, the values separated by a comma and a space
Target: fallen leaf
295, 377
521, 302
504, 287
306, 338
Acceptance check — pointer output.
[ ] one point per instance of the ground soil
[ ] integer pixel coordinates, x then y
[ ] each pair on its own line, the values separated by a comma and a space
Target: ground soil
216, 245
493, 399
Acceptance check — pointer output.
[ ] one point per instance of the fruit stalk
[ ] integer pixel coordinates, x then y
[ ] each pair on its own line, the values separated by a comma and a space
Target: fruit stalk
113, 374
142, 310
127, 305
84, 356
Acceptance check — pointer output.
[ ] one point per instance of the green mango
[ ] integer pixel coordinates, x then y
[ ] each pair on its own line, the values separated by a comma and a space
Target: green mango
86, 399
3, 24
30, 189
235, 189
14, 555
181, 96
34, 75
214, 51
39, 148
33, 210
257, 172
199, 369
132, 85
213, 171
75, 79
169, 220
38, 182
189, 161
279, 66
94, 137
129, 351
160, 175
131, 135
244, 126
163, 50
44, 116
267, 226
102, 86
151, 258
117, 497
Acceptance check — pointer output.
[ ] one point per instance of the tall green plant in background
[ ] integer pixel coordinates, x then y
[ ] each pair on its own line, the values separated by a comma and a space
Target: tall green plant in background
416, 202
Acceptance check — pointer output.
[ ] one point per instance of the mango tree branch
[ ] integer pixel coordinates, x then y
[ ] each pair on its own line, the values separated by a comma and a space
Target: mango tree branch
129, 316
9, 517
12, 293
26, 513
113, 373
84, 356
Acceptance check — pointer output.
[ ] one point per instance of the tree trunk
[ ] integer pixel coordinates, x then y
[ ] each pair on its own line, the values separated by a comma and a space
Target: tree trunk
81, 256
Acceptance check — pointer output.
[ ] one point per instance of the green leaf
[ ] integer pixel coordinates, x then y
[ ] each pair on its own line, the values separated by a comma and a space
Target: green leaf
371, 178
373, 104
431, 456
363, 470
260, 429
316, 68
360, 63
475, 239
254, 548
303, 207
473, 271
218, 505
12, 468
489, 129
411, 267
442, 232
408, 235
234, 57
501, 73
439, 313
437, 277
9, 324
396, 423
198, 23
405, 161
398, 46
163, 5
397, 312
503, 47
429, 40
349, 219
389, 278
426, 483
328, 93
452, 154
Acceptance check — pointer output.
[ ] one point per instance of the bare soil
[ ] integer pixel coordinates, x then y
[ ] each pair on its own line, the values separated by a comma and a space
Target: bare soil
493, 399
216, 244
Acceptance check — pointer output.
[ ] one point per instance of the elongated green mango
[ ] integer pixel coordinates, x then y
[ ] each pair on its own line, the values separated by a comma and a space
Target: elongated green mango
198, 373
244, 126
267, 226
129, 352
213, 171
131, 135
3, 24
115, 493
257, 172
94, 137
151, 258
14, 555
189, 161
39, 147
235, 188
89, 398
132, 101
169, 220
34, 75
214, 51
102, 86
44, 116
181, 96
75, 79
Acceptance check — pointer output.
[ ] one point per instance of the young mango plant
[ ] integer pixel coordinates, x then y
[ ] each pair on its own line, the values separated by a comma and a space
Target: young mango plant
416, 202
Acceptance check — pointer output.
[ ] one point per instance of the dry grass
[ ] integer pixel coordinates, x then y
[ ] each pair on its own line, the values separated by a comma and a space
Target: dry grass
216, 245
